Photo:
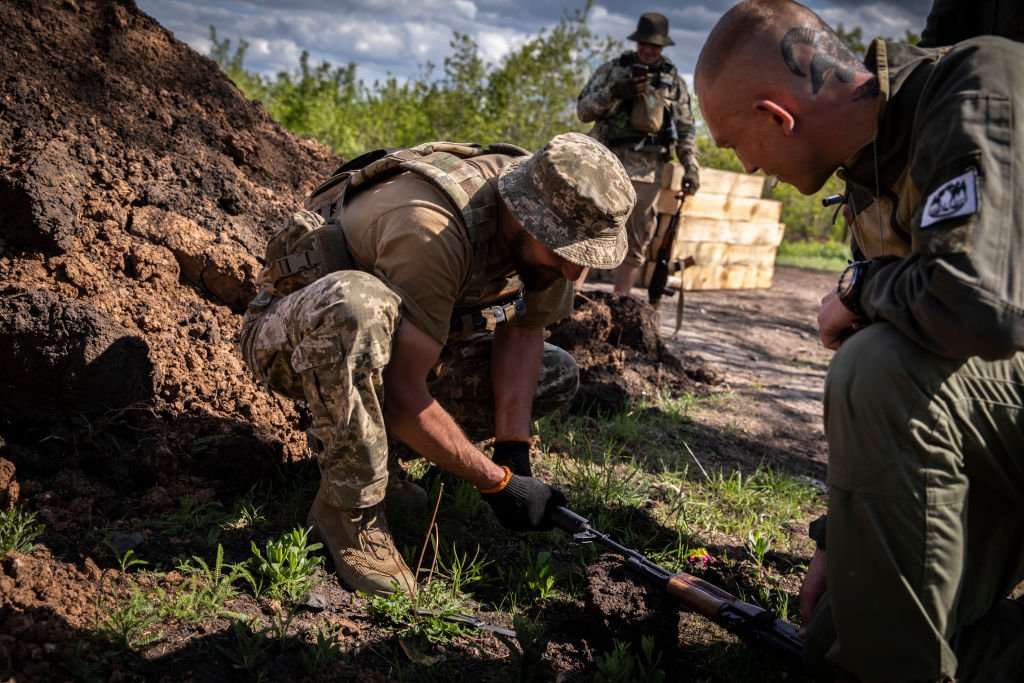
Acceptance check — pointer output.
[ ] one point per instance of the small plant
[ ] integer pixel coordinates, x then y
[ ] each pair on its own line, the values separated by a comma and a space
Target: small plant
324, 648
249, 651
18, 531
206, 589
125, 561
758, 544
466, 500
461, 569
530, 658
423, 621
621, 665
538, 581
287, 569
129, 621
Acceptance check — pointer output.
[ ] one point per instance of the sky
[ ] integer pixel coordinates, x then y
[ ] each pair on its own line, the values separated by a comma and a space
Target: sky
399, 37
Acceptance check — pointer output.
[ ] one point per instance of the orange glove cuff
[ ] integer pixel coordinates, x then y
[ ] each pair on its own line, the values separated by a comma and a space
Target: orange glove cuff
501, 485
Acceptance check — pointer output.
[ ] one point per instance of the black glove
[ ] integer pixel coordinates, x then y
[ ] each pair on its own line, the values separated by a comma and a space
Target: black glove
523, 504
515, 455
624, 88
691, 181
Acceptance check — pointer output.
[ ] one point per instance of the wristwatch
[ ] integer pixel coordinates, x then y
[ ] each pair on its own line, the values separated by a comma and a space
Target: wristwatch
850, 284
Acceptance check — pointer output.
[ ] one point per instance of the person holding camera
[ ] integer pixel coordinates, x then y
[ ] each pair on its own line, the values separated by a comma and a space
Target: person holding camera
641, 109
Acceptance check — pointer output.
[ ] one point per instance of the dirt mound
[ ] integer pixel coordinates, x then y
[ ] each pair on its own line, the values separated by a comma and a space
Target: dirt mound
615, 341
137, 186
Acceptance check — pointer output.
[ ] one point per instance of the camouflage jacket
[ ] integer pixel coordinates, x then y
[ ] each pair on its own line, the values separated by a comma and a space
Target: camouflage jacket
598, 102
946, 234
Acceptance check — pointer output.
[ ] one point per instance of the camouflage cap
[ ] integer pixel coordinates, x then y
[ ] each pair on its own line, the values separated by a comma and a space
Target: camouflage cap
574, 197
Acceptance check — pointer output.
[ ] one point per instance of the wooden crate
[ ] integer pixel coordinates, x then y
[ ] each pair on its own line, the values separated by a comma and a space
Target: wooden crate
729, 230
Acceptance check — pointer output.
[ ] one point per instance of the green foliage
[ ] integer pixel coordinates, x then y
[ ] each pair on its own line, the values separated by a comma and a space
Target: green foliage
758, 544
287, 569
249, 651
125, 561
828, 256
461, 569
18, 531
325, 648
530, 638
761, 502
804, 216
206, 589
538, 581
421, 622
130, 621
621, 665
526, 99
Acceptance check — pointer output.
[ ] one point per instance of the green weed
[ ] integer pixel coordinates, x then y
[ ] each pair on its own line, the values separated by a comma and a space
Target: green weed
250, 649
758, 544
538, 581
125, 560
324, 649
422, 623
206, 589
461, 569
287, 569
621, 665
130, 621
18, 531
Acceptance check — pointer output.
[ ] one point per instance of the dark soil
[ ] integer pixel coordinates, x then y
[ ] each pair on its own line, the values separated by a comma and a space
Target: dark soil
137, 191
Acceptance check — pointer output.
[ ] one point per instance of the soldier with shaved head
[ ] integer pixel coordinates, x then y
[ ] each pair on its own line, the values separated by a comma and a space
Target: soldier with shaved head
924, 398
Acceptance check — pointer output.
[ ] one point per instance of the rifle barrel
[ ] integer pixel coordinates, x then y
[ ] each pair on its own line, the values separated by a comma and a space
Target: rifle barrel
742, 618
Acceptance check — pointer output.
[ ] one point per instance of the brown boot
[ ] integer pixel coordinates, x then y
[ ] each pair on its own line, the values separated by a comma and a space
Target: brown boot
361, 546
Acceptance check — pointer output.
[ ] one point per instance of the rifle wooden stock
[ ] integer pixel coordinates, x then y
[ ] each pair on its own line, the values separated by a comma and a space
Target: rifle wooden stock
750, 622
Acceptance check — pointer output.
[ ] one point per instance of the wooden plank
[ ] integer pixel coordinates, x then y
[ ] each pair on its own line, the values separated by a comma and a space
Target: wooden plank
715, 181
698, 229
724, 277
711, 205
722, 254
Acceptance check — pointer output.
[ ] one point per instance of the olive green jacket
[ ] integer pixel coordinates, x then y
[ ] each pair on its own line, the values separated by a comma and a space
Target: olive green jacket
946, 238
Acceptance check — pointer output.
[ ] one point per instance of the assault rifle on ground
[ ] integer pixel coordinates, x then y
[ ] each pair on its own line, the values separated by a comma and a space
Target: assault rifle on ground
658, 286
755, 625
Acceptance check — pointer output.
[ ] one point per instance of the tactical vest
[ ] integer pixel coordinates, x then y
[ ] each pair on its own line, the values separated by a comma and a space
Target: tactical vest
313, 243
620, 130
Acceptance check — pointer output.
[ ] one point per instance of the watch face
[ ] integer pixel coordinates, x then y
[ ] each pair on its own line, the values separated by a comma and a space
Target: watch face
845, 281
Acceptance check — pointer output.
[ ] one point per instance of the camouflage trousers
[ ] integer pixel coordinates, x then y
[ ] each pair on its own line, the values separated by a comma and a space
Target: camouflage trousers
328, 345
642, 223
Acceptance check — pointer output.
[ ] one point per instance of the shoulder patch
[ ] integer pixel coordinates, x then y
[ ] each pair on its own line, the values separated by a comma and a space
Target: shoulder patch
954, 198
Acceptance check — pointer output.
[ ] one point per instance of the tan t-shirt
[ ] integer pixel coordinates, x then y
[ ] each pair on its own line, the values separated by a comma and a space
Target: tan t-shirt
404, 231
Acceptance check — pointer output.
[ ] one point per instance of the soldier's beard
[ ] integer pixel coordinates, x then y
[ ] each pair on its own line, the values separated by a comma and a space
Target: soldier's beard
536, 277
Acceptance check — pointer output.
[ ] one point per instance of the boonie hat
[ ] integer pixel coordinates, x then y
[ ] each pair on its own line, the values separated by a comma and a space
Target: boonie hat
652, 28
574, 197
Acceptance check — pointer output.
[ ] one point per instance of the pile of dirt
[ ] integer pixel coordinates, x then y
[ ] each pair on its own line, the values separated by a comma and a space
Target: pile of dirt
622, 357
138, 187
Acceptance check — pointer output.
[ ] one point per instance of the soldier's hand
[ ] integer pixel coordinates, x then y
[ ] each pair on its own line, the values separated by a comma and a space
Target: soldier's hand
624, 88
639, 84
691, 183
522, 503
514, 454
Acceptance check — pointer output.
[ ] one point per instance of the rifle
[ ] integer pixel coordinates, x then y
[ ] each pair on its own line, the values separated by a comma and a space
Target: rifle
755, 625
658, 286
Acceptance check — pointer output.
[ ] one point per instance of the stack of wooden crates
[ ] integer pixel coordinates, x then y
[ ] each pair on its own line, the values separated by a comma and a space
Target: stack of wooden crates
729, 230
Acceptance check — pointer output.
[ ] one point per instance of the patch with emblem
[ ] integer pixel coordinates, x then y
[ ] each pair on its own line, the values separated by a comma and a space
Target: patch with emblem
954, 198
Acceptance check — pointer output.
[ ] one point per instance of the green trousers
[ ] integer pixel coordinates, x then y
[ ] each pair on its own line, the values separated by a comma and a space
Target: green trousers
925, 529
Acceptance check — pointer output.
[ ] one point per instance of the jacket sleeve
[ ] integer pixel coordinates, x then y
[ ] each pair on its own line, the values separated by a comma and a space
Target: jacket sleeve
596, 101
960, 292
686, 145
